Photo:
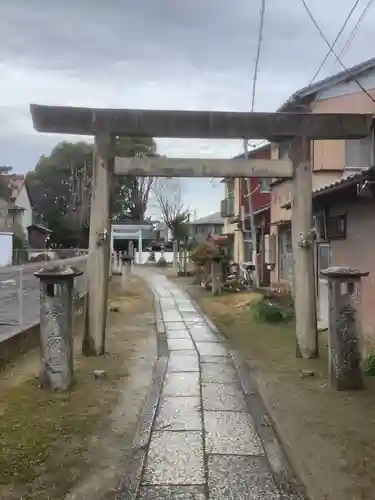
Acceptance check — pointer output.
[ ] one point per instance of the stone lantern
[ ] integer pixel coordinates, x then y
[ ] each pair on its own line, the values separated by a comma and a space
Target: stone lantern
344, 298
56, 326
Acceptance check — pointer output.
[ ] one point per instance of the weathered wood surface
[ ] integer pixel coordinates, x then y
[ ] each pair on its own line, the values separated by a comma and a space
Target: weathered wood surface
303, 272
199, 124
99, 246
194, 167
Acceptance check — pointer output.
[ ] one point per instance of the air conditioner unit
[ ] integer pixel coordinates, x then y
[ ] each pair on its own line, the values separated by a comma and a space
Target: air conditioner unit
270, 249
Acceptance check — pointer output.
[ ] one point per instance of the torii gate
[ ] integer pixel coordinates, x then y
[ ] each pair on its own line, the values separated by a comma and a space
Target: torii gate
106, 124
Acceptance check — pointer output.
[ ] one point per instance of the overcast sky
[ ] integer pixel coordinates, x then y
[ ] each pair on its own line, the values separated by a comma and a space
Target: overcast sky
160, 54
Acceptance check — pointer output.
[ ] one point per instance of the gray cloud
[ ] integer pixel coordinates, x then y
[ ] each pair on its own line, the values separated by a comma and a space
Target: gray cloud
209, 35
196, 54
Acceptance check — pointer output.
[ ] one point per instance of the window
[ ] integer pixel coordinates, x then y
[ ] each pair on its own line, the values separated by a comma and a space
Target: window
248, 246
324, 256
264, 185
359, 152
336, 227
285, 256
230, 189
283, 150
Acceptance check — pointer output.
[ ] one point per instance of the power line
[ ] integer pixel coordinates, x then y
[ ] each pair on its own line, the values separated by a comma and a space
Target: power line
356, 28
333, 52
260, 38
335, 41
347, 44
256, 67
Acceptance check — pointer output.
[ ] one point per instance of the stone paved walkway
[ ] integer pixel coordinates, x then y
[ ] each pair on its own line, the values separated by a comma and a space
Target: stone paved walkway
204, 444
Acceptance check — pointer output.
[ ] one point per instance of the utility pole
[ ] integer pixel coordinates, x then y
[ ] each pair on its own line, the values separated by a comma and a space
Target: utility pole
252, 223
303, 237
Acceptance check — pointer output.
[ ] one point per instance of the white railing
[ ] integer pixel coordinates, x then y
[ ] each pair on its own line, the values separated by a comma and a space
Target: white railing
19, 289
20, 298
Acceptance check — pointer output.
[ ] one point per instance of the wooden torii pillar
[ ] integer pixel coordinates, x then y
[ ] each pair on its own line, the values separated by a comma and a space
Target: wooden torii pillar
298, 128
98, 264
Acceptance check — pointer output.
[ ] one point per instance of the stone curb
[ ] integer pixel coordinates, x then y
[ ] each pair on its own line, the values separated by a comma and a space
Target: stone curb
132, 476
286, 479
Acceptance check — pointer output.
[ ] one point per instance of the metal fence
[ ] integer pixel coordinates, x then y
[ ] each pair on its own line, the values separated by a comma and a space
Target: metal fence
19, 294
26, 256
19, 287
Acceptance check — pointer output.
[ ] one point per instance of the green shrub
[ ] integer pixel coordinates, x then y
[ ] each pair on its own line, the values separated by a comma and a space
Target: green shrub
369, 364
270, 312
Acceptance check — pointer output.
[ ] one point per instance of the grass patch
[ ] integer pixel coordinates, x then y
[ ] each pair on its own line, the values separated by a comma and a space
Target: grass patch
34, 422
369, 364
323, 429
45, 433
45, 436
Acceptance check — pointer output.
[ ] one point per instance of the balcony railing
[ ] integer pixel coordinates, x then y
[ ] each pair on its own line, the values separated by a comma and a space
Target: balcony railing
227, 208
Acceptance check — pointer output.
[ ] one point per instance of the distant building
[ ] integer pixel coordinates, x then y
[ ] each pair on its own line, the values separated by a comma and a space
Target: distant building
22, 200
207, 226
23, 216
161, 231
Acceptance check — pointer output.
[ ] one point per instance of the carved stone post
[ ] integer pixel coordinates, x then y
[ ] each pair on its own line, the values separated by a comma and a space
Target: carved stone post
180, 257
126, 269
131, 248
185, 256
216, 275
162, 260
118, 263
344, 289
115, 263
175, 255
56, 326
120, 254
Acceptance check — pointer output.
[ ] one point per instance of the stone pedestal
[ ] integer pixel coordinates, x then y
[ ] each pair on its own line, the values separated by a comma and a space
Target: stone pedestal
56, 326
344, 296
216, 277
162, 261
127, 261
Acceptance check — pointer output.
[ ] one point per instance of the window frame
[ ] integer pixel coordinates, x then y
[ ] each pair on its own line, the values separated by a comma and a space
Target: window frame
359, 152
340, 234
267, 180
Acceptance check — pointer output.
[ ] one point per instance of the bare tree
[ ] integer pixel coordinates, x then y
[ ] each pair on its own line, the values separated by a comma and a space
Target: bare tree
167, 192
140, 195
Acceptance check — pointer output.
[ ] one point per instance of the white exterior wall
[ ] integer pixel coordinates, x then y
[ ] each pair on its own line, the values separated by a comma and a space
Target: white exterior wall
367, 80
23, 201
6, 249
